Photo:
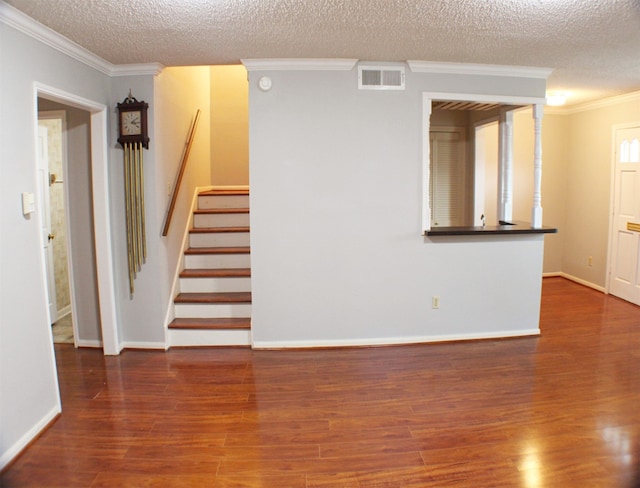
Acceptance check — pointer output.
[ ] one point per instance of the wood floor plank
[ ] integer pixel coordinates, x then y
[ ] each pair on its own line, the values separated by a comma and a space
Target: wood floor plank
561, 409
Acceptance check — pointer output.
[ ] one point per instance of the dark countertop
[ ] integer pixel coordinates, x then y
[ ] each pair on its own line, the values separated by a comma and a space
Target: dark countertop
504, 228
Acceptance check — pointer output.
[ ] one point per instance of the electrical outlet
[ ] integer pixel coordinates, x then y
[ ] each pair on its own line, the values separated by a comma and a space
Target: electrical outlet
435, 301
590, 260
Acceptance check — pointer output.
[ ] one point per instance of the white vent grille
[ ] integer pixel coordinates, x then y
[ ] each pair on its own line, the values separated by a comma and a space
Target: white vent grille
381, 77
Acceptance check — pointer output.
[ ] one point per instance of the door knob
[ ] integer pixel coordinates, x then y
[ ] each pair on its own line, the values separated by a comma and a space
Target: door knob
51, 237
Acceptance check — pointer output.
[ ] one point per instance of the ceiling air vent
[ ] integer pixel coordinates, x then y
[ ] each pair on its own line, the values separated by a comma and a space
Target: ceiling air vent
380, 77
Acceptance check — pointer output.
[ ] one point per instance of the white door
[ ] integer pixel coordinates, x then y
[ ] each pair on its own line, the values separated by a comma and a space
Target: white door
624, 281
44, 208
448, 193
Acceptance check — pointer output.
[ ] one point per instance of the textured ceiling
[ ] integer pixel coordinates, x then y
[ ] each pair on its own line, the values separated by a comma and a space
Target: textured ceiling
592, 45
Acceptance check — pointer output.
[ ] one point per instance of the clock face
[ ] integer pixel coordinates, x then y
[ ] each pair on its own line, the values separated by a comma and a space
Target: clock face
131, 123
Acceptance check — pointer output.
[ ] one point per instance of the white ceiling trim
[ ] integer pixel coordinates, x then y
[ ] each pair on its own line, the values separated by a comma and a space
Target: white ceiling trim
605, 102
471, 97
299, 64
25, 24
152, 69
479, 69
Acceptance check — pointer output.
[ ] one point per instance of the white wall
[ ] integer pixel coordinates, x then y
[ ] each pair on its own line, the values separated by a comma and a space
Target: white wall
28, 387
337, 251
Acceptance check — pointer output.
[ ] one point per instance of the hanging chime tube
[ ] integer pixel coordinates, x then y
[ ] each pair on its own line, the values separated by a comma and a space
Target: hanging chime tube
127, 195
143, 219
138, 150
134, 198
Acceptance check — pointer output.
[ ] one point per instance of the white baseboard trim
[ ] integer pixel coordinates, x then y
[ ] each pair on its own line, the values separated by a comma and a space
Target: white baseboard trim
576, 280
394, 341
144, 345
13, 451
555, 274
64, 311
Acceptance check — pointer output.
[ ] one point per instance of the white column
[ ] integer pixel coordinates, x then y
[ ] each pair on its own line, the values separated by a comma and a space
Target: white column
505, 176
426, 163
536, 212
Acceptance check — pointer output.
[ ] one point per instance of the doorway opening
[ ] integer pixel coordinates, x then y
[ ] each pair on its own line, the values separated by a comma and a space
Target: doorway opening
53, 166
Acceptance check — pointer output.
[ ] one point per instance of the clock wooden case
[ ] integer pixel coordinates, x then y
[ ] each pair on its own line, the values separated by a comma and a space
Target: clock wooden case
132, 122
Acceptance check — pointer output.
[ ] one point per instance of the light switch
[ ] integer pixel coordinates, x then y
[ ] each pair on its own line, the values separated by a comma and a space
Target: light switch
28, 203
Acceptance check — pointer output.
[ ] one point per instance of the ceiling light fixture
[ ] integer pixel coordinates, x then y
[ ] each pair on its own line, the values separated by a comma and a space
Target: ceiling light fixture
556, 99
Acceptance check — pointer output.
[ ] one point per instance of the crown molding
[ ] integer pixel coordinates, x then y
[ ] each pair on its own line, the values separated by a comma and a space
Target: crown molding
25, 24
479, 69
152, 69
13, 17
604, 102
299, 64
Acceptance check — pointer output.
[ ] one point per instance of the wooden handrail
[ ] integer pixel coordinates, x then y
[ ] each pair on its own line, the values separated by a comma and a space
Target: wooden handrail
183, 165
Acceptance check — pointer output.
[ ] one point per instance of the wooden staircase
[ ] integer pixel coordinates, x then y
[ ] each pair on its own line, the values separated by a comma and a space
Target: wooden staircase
213, 307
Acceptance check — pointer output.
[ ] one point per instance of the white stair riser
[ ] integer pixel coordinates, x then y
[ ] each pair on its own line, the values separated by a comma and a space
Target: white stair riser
212, 310
198, 337
219, 239
224, 261
223, 201
220, 220
214, 285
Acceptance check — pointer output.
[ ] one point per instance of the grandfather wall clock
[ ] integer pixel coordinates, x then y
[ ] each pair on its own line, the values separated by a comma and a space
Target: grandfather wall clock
133, 137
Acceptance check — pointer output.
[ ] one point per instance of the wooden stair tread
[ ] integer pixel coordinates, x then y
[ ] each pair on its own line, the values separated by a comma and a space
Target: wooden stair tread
212, 230
218, 250
243, 210
222, 192
217, 297
211, 323
216, 273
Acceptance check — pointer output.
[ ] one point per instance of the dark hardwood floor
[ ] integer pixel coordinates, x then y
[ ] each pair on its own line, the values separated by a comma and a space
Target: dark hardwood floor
560, 410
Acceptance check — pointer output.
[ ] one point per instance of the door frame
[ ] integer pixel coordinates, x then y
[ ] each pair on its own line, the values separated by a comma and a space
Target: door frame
612, 192
111, 343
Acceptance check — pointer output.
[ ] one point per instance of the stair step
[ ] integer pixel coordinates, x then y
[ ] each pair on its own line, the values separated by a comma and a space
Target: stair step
215, 285
211, 323
202, 280
225, 297
216, 261
215, 273
223, 199
208, 211
209, 337
222, 230
219, 237
217, 217
218, 250
214, 306
232, 191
